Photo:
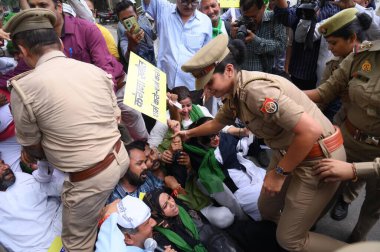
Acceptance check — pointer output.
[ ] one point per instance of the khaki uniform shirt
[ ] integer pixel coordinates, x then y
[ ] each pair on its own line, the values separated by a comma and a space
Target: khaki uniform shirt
69, 107
331, 66
366, 169
249, 95
358, 75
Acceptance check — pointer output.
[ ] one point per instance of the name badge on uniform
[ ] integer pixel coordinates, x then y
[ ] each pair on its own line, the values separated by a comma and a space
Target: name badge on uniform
269, 106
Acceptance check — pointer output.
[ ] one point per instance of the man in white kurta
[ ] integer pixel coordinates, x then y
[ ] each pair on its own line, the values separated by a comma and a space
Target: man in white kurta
30, 211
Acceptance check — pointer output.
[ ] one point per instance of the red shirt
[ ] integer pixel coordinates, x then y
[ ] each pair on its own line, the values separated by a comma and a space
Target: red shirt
82, 41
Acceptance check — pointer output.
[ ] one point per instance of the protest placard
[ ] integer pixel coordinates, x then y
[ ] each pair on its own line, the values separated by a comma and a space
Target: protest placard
229, 3
145, 90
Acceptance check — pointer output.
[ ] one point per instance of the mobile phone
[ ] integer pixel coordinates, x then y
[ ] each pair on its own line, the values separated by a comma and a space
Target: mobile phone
130, 22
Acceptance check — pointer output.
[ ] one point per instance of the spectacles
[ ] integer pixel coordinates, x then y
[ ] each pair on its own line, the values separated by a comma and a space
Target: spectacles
186, 3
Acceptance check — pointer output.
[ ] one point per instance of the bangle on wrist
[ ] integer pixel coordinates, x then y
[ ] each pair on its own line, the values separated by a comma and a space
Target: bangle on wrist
355, 173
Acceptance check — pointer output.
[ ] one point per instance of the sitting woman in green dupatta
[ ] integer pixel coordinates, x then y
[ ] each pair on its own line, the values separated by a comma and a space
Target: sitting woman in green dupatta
160, 135
184, 229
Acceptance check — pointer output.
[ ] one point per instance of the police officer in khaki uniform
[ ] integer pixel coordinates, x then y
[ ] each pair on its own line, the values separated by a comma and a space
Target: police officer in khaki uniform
290, 123
357, 78
65, 111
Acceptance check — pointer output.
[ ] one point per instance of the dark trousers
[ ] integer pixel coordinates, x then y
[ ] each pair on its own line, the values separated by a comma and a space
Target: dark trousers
304, 84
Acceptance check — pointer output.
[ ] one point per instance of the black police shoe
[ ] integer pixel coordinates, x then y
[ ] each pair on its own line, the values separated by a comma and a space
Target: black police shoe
340, 210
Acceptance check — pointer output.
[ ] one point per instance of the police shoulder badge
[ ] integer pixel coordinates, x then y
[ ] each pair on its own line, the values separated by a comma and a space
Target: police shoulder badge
269, 106
366, 67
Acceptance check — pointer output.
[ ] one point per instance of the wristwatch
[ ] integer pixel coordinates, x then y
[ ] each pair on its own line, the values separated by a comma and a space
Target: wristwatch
279, 170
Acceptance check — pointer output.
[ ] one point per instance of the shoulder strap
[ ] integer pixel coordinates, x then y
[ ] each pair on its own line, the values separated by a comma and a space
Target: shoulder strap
257, 76
26, 100
367, 46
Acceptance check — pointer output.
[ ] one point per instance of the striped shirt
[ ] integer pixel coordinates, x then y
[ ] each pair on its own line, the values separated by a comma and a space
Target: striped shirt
268, 43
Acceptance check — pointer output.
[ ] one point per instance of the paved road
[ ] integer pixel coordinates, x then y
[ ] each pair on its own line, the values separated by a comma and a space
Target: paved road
342, 229
338, 229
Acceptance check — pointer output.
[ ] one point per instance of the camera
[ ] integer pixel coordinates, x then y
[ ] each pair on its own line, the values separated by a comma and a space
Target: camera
244, 24
307, 9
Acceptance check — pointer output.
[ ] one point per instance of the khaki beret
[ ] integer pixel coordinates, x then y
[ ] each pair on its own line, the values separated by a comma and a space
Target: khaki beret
30, 19
337, 21
202, 64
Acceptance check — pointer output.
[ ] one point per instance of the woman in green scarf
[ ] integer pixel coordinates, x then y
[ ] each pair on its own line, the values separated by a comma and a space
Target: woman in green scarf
161, 135
184, 230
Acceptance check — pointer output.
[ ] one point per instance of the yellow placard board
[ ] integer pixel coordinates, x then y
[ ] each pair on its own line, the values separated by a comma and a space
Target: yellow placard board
56, 246
229, 3
145, 90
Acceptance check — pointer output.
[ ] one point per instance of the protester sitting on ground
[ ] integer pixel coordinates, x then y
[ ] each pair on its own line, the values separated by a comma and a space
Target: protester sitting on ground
223, 170
181, 165
189, 113
153, 162
184, 229
138, 179
126, 225
10, 149
30, 211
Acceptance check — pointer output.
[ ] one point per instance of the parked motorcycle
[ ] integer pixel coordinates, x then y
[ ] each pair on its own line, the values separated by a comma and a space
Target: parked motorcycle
107, 17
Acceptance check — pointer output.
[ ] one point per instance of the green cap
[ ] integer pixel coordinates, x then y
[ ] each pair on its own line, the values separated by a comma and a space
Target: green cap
203, 63
30, 19
337, 21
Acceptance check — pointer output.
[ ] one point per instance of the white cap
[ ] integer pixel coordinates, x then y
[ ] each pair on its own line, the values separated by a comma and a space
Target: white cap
132, 212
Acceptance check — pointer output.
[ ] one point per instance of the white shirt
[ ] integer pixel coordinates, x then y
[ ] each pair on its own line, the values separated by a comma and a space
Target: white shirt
249, 183
111, 239
30, 213
178, 41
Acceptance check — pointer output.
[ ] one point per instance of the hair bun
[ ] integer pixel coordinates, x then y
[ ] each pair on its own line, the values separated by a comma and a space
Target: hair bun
364, 20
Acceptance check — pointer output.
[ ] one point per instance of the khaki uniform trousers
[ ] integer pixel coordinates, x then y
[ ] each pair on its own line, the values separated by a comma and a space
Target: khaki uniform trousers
83, 201
370, 212
298, 206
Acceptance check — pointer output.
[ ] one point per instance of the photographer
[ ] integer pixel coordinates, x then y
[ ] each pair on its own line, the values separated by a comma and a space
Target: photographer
264, 36
305, 51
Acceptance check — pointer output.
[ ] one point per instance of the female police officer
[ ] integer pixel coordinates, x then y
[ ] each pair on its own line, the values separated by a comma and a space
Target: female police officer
357, 80
291, 124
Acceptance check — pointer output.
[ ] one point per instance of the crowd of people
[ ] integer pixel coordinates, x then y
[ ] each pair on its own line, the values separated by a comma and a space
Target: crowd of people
273, 119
